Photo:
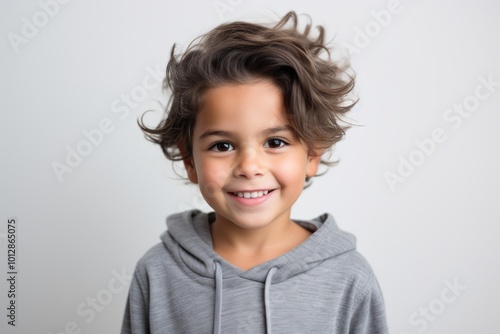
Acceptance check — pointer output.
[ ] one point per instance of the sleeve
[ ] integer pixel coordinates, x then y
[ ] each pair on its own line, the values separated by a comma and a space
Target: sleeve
369, 313
136, 319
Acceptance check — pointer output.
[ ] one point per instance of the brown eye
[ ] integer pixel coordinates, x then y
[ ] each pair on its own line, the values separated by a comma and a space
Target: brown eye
221, 147
275, 143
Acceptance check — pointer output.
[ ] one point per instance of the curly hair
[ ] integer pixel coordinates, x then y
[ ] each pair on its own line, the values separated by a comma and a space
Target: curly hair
315, 89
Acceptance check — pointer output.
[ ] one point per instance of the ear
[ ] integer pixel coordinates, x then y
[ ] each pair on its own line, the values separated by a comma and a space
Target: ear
191, 170
188, 164
313, 162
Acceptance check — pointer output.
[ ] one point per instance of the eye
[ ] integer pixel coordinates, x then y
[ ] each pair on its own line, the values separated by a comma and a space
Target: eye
275, 143
221, 147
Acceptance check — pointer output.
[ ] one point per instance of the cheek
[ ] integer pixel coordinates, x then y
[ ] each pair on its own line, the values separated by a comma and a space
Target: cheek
212, 177
291, 173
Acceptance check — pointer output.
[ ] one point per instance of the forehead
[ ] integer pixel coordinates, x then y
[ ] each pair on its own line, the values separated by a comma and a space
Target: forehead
253, 104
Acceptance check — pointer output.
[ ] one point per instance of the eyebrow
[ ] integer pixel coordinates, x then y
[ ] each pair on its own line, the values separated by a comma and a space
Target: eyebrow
220, 133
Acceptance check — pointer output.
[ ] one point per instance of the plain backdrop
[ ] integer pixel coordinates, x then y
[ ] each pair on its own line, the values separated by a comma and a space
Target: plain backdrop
417, 182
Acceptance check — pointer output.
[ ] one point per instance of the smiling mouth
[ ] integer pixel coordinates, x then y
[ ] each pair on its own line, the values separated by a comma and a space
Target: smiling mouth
251, 194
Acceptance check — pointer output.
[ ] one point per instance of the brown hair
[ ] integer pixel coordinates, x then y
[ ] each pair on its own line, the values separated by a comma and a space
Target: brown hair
314, 87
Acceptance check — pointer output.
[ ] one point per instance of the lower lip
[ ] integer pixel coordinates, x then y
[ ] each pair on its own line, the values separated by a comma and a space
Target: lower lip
250, 201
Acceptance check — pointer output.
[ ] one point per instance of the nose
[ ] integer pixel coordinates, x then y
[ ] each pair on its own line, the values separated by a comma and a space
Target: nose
250, 163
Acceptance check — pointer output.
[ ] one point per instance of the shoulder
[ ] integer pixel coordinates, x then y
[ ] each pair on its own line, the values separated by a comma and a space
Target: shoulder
153, 262
355, 264
153, 255
351, 270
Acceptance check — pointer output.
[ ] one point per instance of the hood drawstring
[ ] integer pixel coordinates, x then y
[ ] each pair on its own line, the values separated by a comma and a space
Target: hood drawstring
218, 298
267, 301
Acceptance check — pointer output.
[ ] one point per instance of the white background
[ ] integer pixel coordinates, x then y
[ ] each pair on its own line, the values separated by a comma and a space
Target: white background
76, 234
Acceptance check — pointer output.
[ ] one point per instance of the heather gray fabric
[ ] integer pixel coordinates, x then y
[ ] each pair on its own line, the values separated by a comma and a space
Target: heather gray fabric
322, 286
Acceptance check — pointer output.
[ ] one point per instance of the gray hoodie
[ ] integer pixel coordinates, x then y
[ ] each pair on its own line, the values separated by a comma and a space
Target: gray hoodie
321, 286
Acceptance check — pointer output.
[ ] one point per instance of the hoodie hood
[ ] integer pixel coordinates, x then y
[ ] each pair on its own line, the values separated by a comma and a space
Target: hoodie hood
190, 232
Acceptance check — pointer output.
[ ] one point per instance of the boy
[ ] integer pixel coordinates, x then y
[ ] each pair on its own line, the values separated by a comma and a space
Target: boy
253, 109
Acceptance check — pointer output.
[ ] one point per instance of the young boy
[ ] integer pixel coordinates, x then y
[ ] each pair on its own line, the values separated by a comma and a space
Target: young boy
253, 109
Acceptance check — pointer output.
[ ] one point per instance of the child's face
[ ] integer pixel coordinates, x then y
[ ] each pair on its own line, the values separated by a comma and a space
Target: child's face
246, 160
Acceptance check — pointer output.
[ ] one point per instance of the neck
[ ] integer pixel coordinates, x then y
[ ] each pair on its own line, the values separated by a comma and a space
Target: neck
246, 248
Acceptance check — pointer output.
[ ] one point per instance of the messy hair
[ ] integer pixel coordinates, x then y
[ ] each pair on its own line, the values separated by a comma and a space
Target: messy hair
316, 90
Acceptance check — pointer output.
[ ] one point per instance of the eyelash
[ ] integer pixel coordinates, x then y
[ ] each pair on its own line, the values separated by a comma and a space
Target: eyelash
214, 147
282, 143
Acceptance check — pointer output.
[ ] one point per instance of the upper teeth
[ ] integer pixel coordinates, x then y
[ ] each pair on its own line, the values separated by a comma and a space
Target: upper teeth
253, 194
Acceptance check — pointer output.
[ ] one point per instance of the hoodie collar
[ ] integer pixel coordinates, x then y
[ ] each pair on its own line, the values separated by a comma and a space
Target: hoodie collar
190, 232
